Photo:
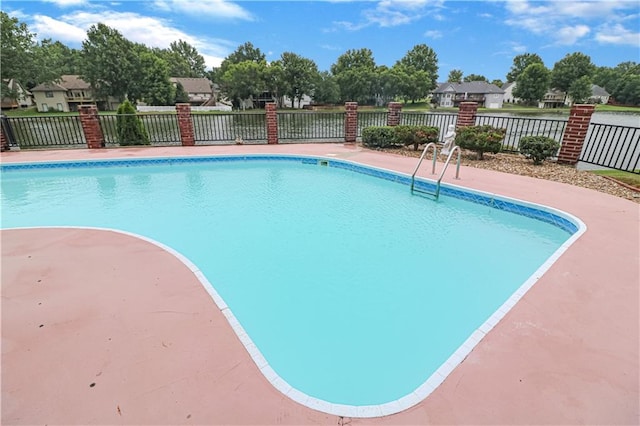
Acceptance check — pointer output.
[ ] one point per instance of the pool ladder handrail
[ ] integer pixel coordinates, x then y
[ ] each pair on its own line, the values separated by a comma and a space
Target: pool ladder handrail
433, 168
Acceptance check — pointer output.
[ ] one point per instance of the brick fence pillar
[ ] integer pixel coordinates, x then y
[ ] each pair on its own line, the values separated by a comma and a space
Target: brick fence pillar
575, 133
393, 113
272, 123
350, 122
185, 124
467, 114
91, 126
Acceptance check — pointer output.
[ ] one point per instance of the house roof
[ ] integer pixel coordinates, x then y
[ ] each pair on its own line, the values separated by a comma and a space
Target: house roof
193, 85
468, 87
67, 82
48, 87
73, 82
598, 91
508, 85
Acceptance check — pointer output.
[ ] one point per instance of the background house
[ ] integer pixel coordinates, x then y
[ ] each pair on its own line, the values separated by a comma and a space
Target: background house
22, 96
599, 95
199, 90
508, 93
67, 95
451, 94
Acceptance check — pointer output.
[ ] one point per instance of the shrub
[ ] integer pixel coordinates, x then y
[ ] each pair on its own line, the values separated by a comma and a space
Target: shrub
415, 135
129, 127
480, 139
378, 136
538, 148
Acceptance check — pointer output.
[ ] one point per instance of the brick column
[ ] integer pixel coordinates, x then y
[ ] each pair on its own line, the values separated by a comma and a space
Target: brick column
185, 124
91, 126
272, 123
350, 122
467, 114
393, 113
575, 133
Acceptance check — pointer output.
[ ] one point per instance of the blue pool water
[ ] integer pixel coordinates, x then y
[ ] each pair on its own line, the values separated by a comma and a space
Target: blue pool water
354, 290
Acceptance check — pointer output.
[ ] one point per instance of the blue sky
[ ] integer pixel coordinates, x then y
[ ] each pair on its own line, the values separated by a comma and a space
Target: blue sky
479, 37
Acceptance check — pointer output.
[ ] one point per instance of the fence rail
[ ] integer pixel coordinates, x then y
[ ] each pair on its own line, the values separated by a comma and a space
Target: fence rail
612, 146
518, 127
161, 128
212, 129
42, 132
616, 147
441, 121
368, 119
311, 126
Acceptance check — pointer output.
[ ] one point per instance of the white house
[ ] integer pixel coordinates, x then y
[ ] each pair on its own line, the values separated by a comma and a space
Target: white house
508, 93
22, 96
451, 94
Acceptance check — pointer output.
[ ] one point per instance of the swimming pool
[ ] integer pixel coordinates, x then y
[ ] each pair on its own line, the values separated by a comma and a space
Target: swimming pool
259, 227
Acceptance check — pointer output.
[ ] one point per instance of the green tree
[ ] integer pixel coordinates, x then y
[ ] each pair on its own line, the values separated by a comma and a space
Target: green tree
569, 69
129, 127
17, 46
628, 90
326, 90
355, 72
475, 77
421, 65
153, 84
58, 59
244, 52
299, 73
181, 95
183, 60
620, 81
580, 90
455, 76
109, 60
532, 83
275, 81
244, 80
520, 63
497, 82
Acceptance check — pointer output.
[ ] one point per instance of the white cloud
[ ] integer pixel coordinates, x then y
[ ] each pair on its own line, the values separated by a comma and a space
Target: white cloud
617, 34
67, 3
153, 32
205, 8
570, 35
566, 22
434, 34
46, 27
391, 13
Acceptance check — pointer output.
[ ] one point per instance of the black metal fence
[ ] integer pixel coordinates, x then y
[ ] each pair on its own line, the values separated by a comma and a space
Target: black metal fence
215, 129
44, 132
616, 147
518, 127
441, 121
369, 119
162, 129
612, 146
311, 126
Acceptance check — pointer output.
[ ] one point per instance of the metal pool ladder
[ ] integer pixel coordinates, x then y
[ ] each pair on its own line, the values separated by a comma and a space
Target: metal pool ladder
433, 168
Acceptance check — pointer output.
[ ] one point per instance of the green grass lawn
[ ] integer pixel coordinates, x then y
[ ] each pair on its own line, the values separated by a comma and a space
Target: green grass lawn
632, 179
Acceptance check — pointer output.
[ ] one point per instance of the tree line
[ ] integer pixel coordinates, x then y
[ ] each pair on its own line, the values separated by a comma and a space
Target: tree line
117, 67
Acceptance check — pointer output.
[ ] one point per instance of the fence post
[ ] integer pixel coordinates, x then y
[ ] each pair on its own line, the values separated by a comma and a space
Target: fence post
575, 133
272, 123
350, 122
393, 113
185, 125
5, 134
467, 114
91, 126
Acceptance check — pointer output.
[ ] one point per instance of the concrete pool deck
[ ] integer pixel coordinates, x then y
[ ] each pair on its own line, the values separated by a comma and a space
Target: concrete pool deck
137, 340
